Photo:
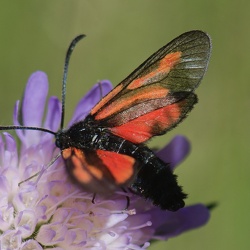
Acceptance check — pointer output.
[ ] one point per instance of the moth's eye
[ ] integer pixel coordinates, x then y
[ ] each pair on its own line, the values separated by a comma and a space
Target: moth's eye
59, 140
58, 143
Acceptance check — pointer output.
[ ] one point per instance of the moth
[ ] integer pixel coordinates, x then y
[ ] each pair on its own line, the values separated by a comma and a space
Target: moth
107, 149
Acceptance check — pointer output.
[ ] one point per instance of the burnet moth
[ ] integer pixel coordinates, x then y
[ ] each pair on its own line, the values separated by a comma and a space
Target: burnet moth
107, 149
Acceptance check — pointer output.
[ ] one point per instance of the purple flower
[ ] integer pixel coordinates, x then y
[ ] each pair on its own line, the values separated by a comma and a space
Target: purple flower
50, 211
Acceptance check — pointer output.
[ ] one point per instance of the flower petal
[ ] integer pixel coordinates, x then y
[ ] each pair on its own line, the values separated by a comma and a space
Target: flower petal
26, 222
53, 117
6, 216
20, 133
34, 99
32, 244
33, 105
11, 239
8, 151
170, 224
51, 234
175, 151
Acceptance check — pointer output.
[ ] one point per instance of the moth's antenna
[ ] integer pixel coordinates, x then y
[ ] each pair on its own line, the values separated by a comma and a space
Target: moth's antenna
14, 127
65, 73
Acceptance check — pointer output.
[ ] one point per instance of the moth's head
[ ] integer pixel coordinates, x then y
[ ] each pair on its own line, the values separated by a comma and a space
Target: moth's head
62, 139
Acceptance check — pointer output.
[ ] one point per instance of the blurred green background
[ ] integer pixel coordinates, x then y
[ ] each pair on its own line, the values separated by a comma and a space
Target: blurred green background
122, 34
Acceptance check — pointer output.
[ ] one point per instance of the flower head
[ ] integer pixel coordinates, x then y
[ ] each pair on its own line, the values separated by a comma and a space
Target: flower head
50, 211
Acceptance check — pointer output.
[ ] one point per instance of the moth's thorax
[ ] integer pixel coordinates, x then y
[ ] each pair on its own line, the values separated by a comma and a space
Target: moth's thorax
80, 135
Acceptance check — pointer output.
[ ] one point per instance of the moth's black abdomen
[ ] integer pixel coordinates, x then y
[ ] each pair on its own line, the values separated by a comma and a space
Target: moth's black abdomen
159, 185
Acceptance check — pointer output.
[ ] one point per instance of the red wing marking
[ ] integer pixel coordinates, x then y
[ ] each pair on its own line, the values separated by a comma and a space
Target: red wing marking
165, 65
99, 170
83, 171
104, 100
156, 122
131, 99
105, 109
120, 166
